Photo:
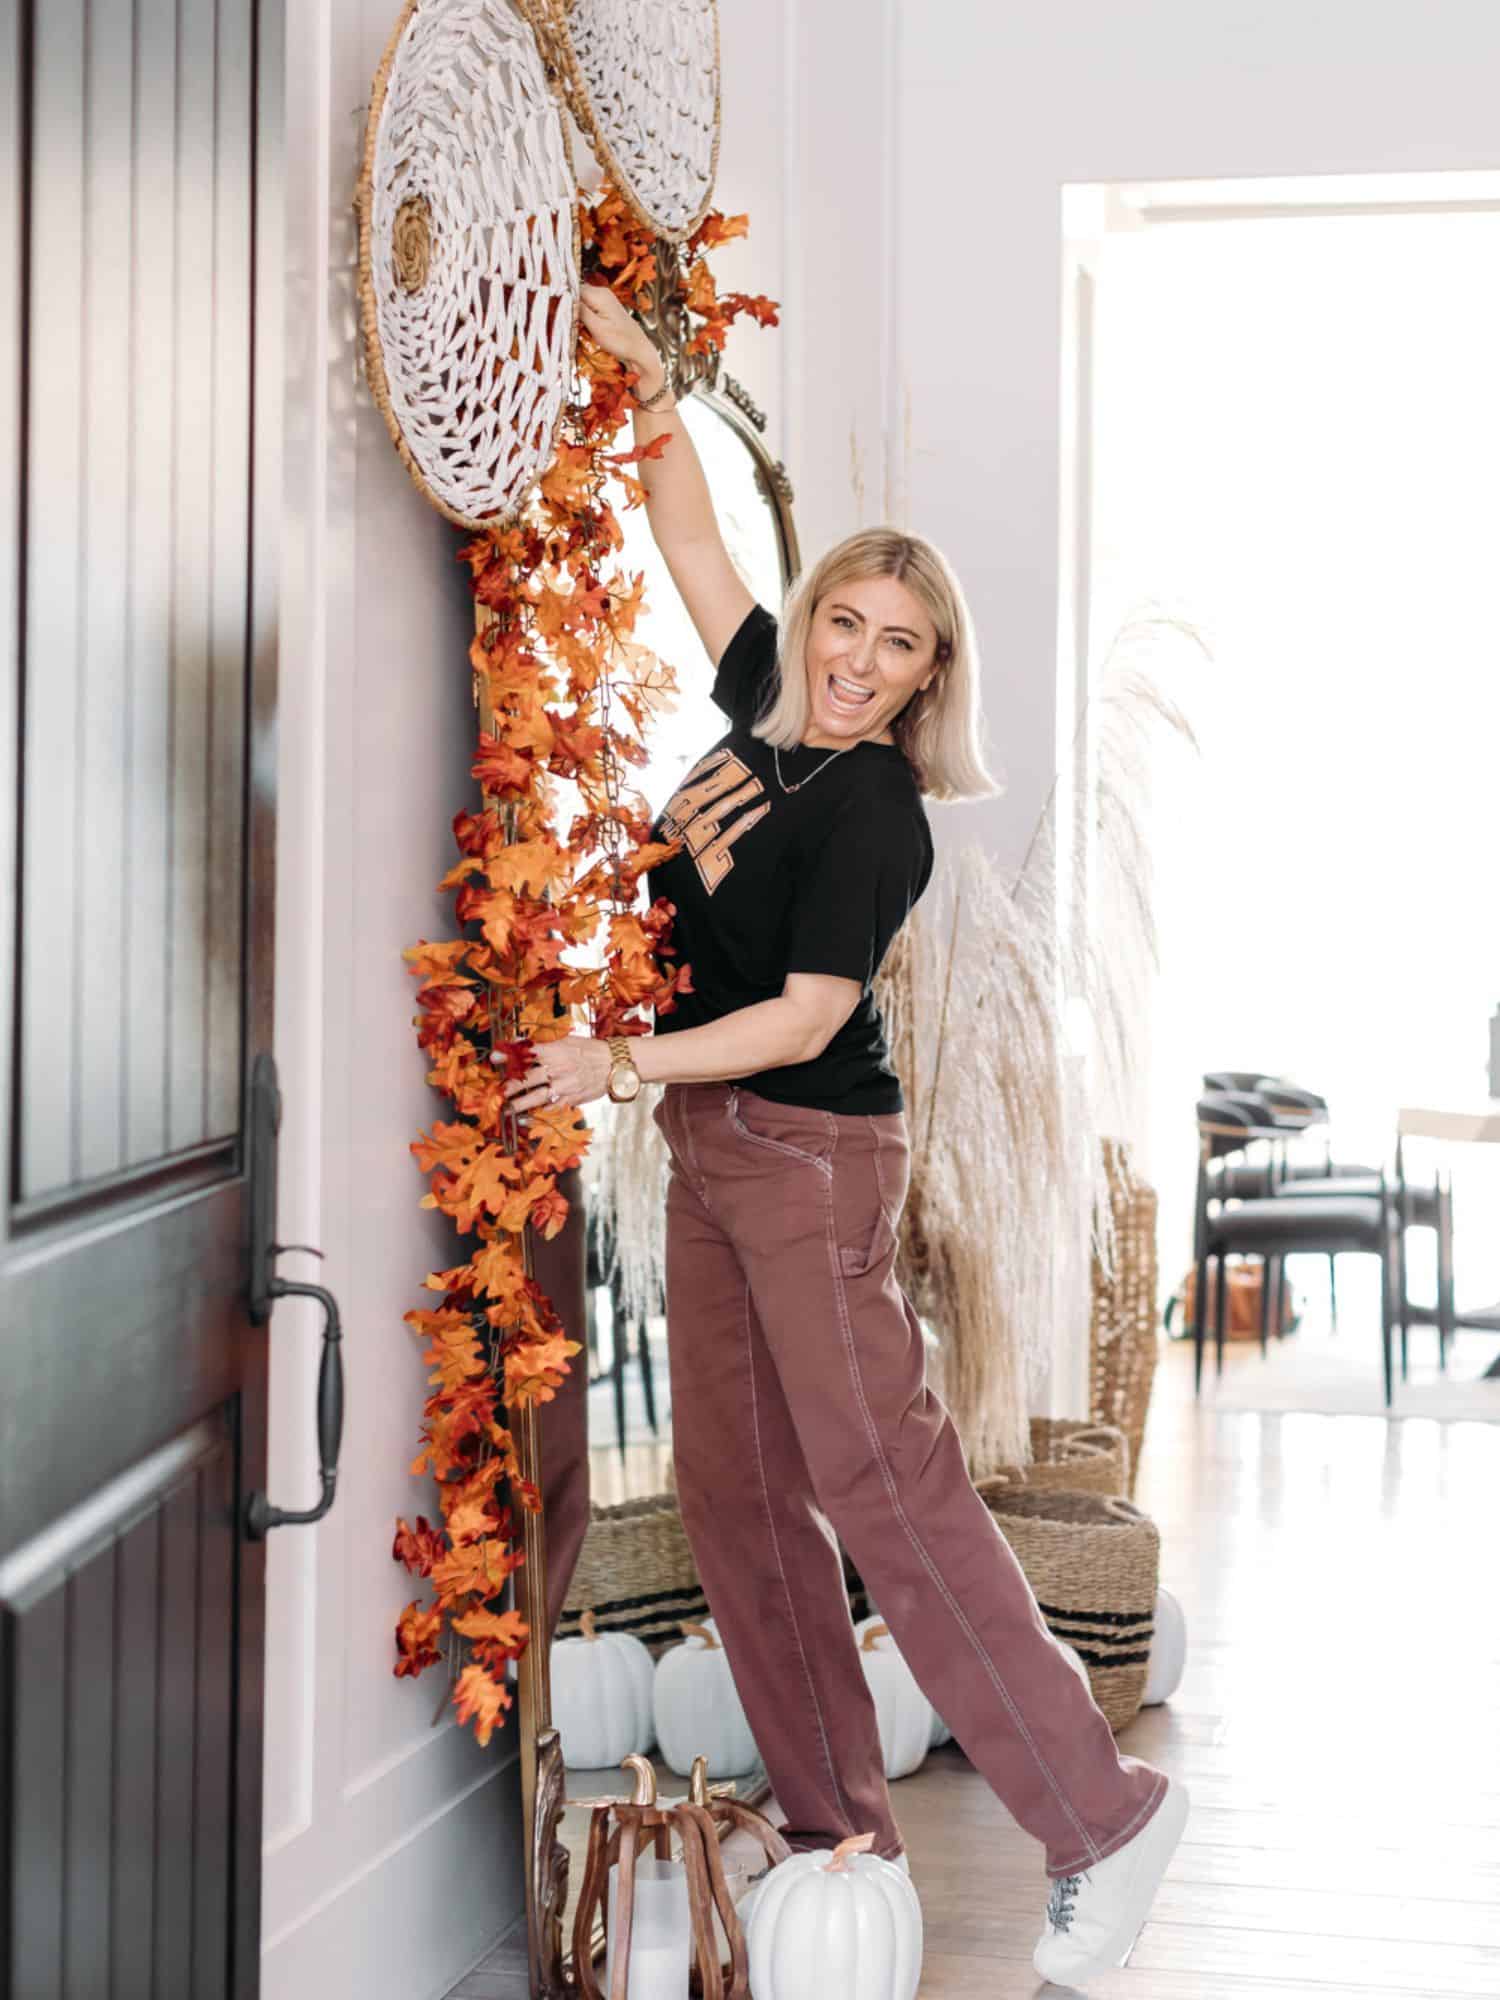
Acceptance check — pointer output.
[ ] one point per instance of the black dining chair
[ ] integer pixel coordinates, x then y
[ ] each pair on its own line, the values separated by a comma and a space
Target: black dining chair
1418, 1205
1276, 1225
1294, 1107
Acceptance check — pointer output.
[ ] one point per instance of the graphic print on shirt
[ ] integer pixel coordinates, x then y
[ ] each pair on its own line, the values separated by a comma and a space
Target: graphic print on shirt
717, 787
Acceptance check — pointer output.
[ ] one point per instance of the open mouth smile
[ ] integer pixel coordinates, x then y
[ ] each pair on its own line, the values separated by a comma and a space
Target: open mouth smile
847, 696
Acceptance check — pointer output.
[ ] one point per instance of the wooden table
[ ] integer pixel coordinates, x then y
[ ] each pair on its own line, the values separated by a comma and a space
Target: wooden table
1479, 1125
1421, 1121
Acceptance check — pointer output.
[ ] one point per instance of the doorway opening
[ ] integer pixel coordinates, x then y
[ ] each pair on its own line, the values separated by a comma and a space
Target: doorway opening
1288, 431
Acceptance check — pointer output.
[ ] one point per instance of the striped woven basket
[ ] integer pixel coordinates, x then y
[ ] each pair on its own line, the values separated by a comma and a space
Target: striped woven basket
1069, 1455
636, 1573
1092, 1561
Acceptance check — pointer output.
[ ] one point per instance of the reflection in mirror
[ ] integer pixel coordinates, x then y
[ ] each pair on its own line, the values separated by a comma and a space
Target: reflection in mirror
622, 1587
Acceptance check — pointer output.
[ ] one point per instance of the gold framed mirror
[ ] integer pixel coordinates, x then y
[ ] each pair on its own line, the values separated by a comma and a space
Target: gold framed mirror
602, 1448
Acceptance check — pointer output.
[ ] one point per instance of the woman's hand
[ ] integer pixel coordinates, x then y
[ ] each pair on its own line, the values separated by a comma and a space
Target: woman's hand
569, 1071
619, 333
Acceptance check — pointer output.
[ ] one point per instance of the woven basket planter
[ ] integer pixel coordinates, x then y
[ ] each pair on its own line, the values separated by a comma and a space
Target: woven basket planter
1123, 1324
1070, 1456
1092, 1562
636, 1574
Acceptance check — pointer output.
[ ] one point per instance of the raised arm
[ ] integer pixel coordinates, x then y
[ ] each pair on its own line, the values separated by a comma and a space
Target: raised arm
678, 503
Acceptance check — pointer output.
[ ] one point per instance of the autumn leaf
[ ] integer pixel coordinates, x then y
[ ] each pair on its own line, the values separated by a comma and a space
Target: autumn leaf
576, 745
469, 1518
518, 1057
572, 472
532, 865
653, 448
499, 766
457, 1278
417, 1633
479, 1697
498, 1269
454, 1353
420, 1547
436, 962
503, 1628
558, 1137
549, 1212
716, 229
477, 1568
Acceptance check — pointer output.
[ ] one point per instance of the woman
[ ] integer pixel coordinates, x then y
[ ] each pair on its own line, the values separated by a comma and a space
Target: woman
800, 1414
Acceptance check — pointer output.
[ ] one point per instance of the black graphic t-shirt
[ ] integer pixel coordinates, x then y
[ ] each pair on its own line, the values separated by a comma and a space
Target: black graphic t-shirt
769, 882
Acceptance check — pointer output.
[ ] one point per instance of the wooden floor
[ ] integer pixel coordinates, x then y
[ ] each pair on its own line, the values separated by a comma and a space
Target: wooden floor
1338, 1725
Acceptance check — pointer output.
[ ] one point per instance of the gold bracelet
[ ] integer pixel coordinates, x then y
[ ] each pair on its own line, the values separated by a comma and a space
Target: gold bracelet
650, 402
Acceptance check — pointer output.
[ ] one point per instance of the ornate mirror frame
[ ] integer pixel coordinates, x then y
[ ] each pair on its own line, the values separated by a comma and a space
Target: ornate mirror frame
543, 1770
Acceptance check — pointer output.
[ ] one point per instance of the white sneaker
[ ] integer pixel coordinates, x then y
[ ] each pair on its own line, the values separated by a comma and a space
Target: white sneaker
1095, 1917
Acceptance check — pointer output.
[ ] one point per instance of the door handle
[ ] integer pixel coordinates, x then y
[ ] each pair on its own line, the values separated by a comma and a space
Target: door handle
266, 1287
260, 1515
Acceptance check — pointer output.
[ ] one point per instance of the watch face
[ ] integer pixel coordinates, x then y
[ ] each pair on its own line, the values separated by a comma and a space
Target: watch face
624, 1083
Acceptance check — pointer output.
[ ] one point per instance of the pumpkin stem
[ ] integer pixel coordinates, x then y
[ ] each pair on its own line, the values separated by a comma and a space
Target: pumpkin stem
857, 1843
645, 1778
698, 1782
867, 1644
691, 1631
586, 1625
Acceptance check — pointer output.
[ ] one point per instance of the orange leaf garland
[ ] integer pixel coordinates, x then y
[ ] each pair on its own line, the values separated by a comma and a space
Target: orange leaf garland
569, 692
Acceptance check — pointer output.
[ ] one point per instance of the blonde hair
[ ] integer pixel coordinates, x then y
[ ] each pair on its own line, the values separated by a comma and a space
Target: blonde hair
940, 728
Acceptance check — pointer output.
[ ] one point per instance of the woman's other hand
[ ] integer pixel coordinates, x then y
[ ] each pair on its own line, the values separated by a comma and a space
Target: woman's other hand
619, 333
569, 1071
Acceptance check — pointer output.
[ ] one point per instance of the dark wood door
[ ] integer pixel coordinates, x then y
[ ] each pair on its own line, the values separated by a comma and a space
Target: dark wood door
139, 227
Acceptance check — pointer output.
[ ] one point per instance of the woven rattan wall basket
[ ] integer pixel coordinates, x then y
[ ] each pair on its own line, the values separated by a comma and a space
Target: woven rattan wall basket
1092, 1563
1123, 1318
468, 256
641, 77
636, 1574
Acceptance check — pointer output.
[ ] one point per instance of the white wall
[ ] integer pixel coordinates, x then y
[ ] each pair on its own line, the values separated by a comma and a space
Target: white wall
997, 108
371, 1814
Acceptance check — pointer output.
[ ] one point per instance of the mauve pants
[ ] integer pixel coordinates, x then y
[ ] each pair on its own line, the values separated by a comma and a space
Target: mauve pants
800, 1418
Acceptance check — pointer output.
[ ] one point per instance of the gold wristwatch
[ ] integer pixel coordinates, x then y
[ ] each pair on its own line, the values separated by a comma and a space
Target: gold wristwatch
624, 1077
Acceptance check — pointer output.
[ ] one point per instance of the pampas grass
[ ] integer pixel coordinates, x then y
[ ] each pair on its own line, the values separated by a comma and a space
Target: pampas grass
1016, 1030
624, 1185
969, 999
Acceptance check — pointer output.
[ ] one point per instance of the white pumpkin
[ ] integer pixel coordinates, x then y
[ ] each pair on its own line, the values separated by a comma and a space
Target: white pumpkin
697, 1709
601, 1696
1075, 1661
840, 1926
902, 1712
1168, 1651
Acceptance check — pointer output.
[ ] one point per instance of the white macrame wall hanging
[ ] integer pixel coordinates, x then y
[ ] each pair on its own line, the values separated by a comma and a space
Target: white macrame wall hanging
641, 77
469, 256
